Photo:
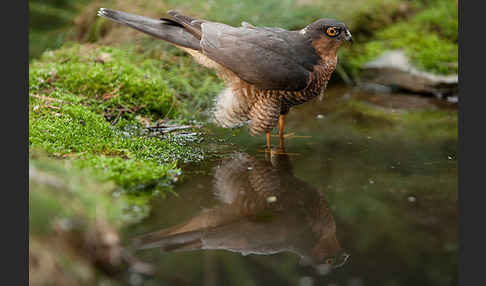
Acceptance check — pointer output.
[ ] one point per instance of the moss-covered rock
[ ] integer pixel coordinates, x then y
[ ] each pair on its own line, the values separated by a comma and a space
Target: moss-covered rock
428, 37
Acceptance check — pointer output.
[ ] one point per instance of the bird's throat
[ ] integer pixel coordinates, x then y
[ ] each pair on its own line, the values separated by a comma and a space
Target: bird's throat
327, 49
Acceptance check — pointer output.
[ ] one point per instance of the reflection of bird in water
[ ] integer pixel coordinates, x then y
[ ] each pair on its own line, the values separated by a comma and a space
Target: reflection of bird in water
267, 70
264, 210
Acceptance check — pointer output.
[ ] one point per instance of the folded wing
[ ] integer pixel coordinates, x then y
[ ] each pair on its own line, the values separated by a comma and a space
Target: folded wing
269, 58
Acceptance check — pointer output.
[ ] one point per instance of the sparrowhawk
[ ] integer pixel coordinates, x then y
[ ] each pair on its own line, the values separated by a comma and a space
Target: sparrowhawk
266, 70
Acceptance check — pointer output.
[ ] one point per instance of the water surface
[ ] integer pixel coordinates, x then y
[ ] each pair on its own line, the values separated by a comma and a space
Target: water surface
364, 194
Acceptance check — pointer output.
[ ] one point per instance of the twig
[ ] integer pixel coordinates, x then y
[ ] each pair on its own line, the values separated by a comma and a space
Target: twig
116, 118
112, 94
46, 98
168, 129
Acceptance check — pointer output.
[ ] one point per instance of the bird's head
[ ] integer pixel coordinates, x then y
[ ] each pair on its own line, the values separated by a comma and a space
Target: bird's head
327, 35
329, 29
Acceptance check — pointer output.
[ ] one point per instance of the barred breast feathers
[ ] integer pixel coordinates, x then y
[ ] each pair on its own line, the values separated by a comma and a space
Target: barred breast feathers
242, 103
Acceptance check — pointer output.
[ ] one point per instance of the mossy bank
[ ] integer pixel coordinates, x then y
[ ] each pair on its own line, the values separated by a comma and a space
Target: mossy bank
97, 151
92, 105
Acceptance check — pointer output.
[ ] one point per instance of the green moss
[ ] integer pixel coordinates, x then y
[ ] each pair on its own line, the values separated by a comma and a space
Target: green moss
429, 38
90, 142
106, 79
73, 129
194, 86
131, 173
441, 17
429, 50
153, 81
84, 106
375, 15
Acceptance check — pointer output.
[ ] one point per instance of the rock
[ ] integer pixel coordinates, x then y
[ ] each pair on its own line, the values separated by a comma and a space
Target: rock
394, 70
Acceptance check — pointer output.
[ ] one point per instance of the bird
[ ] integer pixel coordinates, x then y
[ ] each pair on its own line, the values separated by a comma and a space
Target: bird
266, 70
263, 209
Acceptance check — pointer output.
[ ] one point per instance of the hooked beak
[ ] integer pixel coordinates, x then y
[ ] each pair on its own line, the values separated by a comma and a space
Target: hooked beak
348, 37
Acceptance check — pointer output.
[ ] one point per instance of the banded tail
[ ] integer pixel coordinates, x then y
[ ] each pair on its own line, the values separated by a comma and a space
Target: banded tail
179, 30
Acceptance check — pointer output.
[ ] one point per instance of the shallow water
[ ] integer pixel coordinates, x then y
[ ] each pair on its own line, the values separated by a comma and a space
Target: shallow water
365, 194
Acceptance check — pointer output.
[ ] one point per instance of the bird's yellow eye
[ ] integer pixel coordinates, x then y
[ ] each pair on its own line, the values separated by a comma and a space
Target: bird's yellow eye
331, 31
329, 261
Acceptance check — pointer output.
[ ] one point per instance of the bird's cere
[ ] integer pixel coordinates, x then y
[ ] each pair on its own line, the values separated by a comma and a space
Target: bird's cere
349, 37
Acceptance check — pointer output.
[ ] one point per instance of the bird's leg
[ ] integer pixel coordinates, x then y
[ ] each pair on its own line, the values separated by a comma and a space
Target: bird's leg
281, 133
268, 141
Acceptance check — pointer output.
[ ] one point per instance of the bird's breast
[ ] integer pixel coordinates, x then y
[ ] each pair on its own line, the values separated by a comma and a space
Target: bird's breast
317, 83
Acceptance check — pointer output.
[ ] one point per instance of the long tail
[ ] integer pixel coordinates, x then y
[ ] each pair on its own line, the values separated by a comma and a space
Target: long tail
165, 29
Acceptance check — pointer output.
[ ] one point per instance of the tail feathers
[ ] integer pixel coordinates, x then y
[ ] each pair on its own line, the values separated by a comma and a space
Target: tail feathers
164, 29
191, 24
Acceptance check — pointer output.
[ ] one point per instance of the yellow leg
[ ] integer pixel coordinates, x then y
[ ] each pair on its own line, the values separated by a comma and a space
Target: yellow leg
268, 141
281, 133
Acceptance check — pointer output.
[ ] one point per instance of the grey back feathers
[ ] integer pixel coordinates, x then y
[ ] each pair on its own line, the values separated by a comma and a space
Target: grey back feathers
269, 58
